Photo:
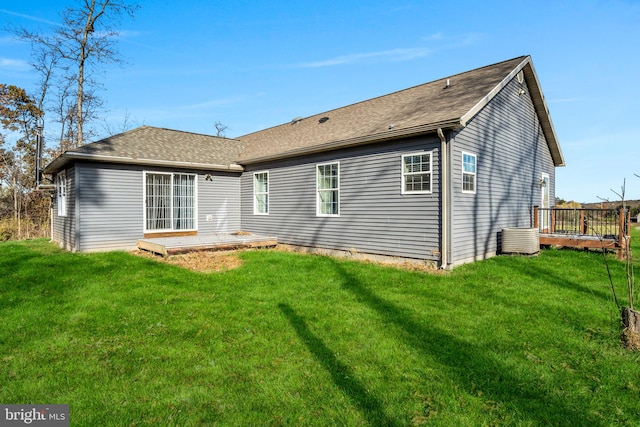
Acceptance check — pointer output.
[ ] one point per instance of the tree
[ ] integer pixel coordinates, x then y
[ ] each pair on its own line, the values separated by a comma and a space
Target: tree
221, 128
19, 116
19, 113
71, 55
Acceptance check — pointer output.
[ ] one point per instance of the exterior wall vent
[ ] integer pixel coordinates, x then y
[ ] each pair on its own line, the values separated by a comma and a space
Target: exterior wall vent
520, 241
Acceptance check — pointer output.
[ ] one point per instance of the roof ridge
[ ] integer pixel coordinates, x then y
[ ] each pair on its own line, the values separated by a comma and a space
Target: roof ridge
183, 131
148, 127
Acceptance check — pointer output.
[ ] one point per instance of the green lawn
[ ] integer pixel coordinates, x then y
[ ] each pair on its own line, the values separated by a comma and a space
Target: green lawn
291, 339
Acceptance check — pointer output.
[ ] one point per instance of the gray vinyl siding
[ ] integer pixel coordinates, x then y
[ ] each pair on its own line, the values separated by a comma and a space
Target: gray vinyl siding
110, 207
512, 153
219, 198
110, 213
63, 230
374, 216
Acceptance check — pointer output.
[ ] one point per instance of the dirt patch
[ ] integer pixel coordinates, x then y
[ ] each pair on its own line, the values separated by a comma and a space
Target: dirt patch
630, 339
216, 261
385, 261
204, 261
631, 331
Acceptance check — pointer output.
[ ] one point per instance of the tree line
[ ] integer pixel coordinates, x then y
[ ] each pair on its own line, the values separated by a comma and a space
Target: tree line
66, 62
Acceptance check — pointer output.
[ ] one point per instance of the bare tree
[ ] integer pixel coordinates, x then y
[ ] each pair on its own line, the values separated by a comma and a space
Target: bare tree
85, 39
114, 129
220, 128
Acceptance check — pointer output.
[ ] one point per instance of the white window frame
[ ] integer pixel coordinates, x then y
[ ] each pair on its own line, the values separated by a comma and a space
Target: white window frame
172, 195
322, 190
256, 194
474, 174
61, 193
406, 174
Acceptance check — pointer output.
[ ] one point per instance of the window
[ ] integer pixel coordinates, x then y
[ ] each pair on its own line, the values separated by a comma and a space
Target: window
328, 186
416, 173
61, 185
170, 202
261, 193
468, 173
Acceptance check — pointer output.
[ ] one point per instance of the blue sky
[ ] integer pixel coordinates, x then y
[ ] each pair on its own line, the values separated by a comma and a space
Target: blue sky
256, 64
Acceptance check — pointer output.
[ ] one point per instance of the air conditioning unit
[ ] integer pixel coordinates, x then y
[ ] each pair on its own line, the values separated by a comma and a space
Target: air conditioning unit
520, 241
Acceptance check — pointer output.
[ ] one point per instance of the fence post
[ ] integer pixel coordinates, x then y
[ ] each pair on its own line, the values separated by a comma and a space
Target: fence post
535, 217
583, 224
621, 234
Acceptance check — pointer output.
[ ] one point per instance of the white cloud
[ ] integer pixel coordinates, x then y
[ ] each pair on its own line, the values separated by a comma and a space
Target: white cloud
449, 42
220, 102
434, 37
210, 103
14, 64
399, 54
29, 17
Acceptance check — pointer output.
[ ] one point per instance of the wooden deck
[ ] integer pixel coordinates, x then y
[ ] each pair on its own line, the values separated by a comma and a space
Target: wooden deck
166, 246
606, 229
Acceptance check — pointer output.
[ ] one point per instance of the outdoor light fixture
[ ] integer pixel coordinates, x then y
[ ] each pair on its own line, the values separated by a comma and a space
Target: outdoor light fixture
542, 183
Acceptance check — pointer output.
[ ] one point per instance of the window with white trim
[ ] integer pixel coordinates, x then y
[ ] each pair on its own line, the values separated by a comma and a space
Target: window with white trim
61, 192
261, 193
416, 173
328, 189
469, 172
170, 202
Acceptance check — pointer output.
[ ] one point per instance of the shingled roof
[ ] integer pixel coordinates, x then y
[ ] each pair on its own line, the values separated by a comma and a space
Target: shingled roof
447, 103
149, 145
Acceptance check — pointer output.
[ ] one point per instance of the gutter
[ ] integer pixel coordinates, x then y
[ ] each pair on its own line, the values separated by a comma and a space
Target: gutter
63, 159
444, 197
352, 142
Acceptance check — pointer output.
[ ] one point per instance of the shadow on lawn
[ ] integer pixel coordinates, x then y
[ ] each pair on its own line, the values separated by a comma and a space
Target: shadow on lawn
40, 272
566, 279
341, 374
469, 365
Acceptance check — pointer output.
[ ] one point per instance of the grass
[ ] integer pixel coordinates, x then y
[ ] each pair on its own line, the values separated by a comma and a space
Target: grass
289, 339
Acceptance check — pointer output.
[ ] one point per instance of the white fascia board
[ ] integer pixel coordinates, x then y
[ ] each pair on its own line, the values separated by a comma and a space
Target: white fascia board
526, 66
63, 159
488, 97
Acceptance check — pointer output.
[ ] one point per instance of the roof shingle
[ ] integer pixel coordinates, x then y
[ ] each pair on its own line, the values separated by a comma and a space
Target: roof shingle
432, 103
148, 145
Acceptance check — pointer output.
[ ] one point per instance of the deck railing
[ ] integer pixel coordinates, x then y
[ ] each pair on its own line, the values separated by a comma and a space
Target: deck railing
604, 223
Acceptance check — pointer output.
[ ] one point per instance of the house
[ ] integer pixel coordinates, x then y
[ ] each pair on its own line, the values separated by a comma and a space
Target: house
112, 192
432, 173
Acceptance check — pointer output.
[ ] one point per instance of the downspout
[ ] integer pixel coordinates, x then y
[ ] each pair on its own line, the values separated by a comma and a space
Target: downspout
444, 197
